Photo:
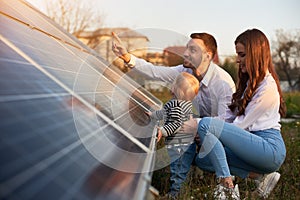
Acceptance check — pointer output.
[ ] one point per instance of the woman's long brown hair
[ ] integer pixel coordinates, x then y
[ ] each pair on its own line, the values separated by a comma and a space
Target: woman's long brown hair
258, 60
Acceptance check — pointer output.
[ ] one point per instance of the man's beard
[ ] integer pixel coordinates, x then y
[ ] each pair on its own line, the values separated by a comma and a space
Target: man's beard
188, 64
193, 68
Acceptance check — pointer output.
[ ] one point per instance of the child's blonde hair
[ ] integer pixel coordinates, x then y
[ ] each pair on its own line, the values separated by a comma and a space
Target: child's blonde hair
185, 86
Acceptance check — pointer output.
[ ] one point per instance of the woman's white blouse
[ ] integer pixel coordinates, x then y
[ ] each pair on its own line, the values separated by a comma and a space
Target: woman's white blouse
262, 112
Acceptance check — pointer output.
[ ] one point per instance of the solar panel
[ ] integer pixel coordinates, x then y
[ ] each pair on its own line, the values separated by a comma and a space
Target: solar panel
71, 127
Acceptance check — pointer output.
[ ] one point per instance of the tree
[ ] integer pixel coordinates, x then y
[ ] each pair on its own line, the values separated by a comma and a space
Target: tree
231, 67
75, 16
286, 57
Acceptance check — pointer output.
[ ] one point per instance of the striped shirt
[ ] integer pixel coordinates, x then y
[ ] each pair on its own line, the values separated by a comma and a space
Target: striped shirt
174, 113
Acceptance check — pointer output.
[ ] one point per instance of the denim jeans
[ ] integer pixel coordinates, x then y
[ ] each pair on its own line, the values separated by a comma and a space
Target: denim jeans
229, 150
181, 156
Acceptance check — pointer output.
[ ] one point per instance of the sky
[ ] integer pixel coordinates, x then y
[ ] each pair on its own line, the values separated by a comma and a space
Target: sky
170, 22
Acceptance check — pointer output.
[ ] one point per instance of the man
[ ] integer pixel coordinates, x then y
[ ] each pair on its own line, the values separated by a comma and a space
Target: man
216, 86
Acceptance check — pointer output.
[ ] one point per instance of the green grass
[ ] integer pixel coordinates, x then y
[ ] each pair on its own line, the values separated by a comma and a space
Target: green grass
163, 96
292, 100
199, 184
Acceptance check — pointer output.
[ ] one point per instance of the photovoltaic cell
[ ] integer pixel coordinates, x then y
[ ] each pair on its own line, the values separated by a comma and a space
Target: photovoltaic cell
71, 127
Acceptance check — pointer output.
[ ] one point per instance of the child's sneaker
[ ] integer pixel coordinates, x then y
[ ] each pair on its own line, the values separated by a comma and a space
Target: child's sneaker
222, 193
266, 184
173, 195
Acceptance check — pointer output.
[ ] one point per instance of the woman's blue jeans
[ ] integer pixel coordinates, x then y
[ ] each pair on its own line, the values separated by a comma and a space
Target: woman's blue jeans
229, 150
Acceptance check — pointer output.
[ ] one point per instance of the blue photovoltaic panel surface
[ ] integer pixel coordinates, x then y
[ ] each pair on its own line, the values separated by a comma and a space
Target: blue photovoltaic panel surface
71, 127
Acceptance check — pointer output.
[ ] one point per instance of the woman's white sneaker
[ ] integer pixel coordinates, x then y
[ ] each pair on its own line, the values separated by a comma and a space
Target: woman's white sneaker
267, 184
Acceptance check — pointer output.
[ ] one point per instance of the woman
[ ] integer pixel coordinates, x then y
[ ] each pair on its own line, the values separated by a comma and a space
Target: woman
248, 143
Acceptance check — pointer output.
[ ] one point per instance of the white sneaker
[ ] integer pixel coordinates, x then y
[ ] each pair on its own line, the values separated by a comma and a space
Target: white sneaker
222, 193
267, 184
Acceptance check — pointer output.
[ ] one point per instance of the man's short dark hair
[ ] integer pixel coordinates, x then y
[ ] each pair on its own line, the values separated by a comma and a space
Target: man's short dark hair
208, 40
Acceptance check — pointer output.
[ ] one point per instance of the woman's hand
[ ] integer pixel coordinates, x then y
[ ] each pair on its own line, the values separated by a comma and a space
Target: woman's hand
119, 49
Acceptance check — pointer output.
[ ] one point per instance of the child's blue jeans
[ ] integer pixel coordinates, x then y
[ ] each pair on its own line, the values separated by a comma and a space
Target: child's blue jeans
181, 156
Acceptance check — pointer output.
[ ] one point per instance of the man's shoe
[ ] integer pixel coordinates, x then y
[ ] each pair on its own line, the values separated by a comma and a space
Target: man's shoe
266, 184
222, 193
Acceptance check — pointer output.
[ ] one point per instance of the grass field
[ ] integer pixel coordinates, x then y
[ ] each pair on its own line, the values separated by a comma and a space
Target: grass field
292, 100
199, 184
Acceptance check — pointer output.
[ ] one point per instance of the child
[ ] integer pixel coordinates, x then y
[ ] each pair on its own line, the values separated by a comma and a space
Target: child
180, 146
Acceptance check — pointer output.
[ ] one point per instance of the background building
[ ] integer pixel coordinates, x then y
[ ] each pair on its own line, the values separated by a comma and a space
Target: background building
101, 41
